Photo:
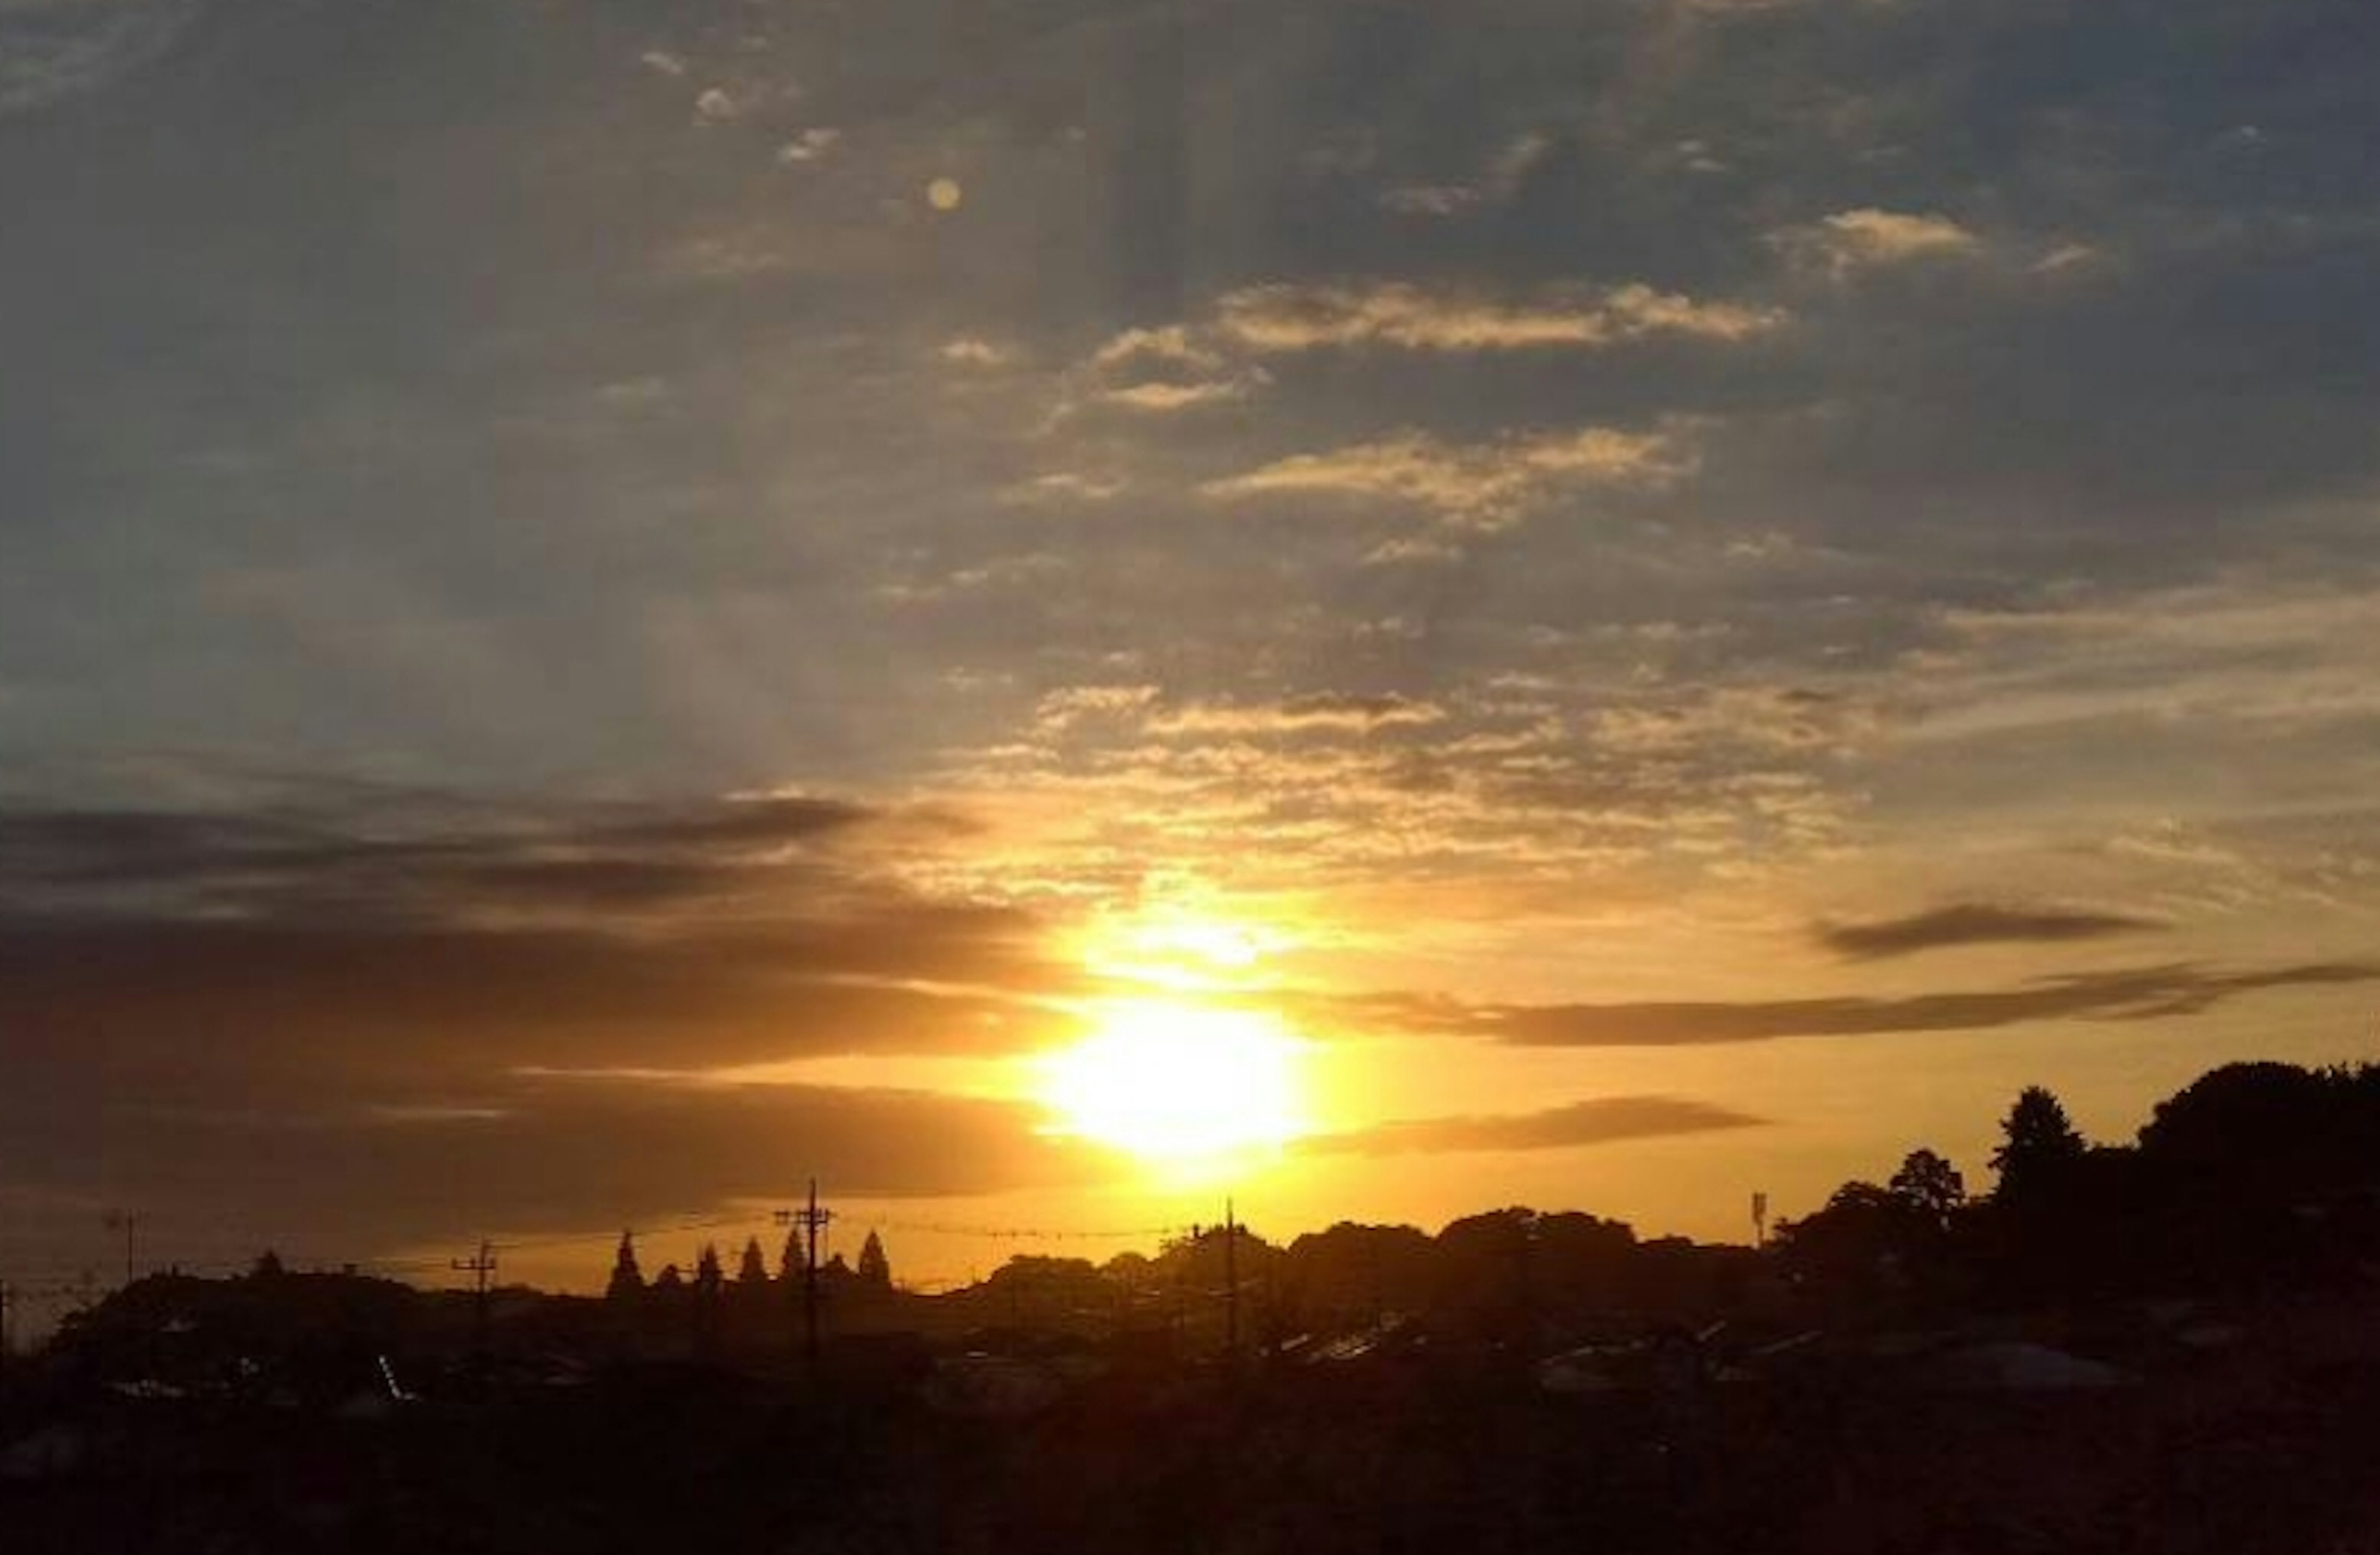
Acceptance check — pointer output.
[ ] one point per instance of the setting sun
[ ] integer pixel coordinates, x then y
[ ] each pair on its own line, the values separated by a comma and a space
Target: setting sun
1179, 1083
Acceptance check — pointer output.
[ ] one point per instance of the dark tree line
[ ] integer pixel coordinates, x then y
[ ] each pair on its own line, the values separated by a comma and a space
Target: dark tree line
716, 1311
2255, 1177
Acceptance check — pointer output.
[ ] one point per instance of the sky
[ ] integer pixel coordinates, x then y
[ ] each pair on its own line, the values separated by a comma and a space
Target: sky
608, 606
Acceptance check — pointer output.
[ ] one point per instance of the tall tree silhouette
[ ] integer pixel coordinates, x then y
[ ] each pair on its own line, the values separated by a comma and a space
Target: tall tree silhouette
753, 1271
707, 1276
2040, 1150
875, 1269
627, 1279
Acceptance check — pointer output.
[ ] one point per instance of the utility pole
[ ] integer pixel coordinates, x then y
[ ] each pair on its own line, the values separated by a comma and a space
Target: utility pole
811, 1218
479, 1266
1182, 1279
1230, 1284
127, 1222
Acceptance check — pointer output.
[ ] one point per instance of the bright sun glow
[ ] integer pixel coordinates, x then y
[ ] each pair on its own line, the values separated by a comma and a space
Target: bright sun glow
1180, 1084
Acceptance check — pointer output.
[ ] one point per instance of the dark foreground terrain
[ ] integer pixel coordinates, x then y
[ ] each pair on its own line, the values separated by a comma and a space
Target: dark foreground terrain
2262, 1435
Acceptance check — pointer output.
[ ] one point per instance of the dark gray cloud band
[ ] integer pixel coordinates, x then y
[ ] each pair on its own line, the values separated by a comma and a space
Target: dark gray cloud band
2171, 992
515, 1157
1973, 923
350, 946
1603, 1121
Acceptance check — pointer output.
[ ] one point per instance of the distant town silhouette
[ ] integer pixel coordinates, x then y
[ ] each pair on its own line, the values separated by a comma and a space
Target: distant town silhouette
1517, 1377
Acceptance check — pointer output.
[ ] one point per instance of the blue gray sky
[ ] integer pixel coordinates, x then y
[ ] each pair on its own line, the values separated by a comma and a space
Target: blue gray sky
607, 604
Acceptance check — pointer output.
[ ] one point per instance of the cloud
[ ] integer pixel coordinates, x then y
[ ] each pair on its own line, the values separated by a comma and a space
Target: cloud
1160, 372
1504, 177
2135, 994
1429, 200
177, 1004
1850, 242
51, 49
293, 862
1140, 349
1069, 706
1600, 1121
717, 105
1481, 486
1326, 712
2069, 257
341, 947
1286, 317
810, 145
1167, 399
969, 350
522, 1156
1061, 488
1973, 923
333, 1012
327, 1015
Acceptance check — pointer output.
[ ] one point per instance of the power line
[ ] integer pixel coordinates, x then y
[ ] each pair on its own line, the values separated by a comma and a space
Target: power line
1027, 1233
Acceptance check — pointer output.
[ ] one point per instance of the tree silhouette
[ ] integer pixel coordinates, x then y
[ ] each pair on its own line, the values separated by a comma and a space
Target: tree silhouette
707, 1276
2247, 1164
790, 1263
875, 1269
1361, 1272
2040, 1150
1930, 1186
669, 1281
2263, 1126
267, 1266
753, 1271
627, 1279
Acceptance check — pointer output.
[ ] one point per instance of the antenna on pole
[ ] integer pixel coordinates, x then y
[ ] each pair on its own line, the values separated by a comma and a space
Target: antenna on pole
1760, 1220
811, 1218
1230, 1283
479, 1266
128, 1221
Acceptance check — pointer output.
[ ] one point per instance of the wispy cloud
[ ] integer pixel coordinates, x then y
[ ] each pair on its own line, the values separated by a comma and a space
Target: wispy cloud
2132, 994
969, 350
1160, 372
1502, 178
811, 145
1973, 923
1607, 1120
1275, 319
50, 51
1850, 241
1324, 712
1481, 486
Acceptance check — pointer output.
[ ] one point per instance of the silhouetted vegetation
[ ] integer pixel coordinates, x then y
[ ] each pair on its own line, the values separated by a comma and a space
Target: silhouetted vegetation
2058, 1364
